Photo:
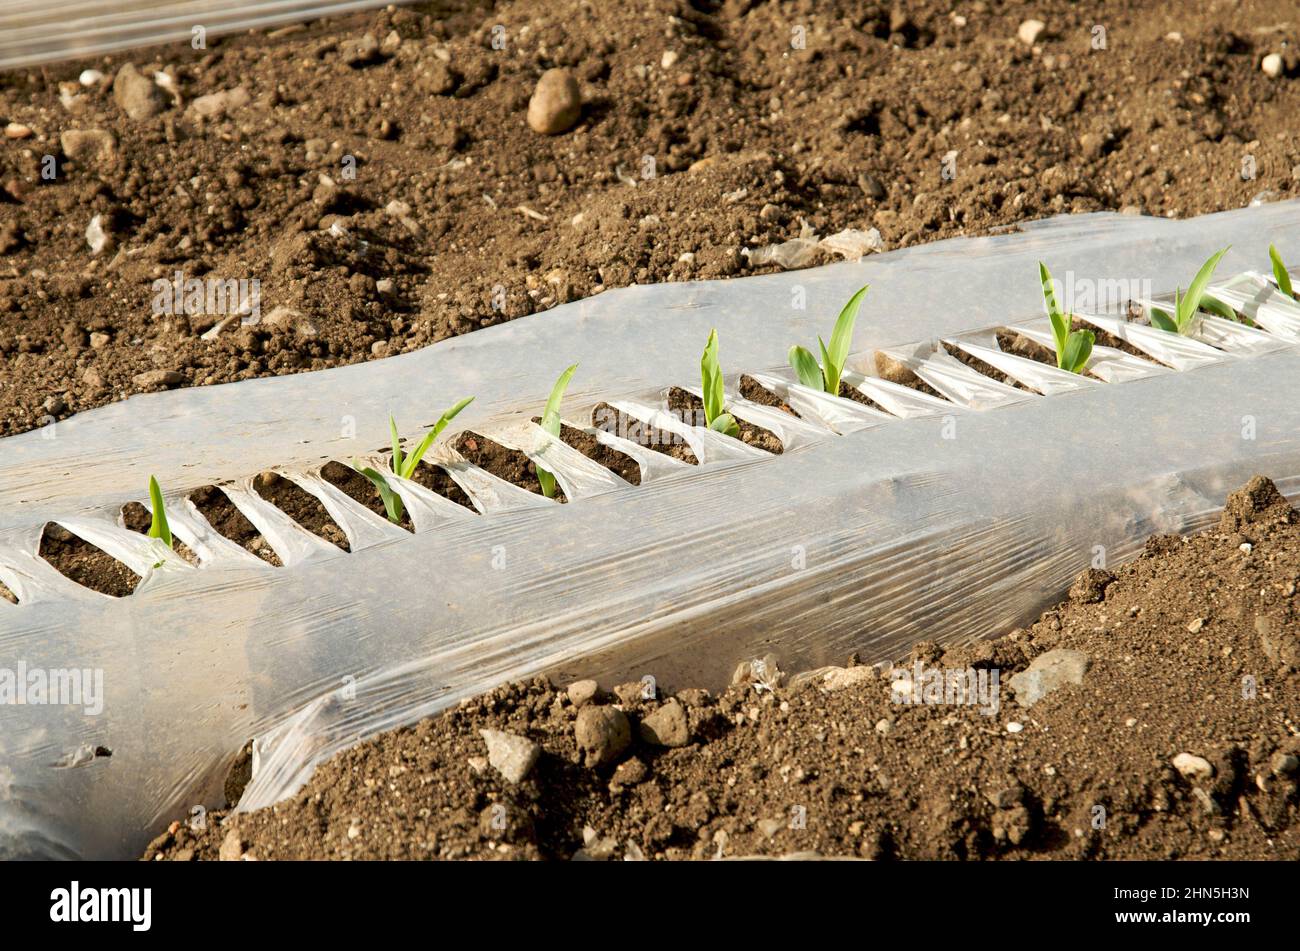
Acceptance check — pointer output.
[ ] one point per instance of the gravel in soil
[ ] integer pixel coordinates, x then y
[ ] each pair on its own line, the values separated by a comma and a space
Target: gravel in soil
379, 174
1153, 714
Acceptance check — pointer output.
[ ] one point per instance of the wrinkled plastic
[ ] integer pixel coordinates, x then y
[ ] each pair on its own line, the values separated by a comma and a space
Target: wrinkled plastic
944, 519
34, 32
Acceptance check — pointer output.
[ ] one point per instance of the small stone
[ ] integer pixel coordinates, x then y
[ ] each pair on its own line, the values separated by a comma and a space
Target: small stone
883, 727
96, 146
98, 236
1284, 764
1030, 31
871, 187
770, 827
1091, 144
217, 104
1048, 673
556, 103
1194, 626
98, 340
667, 726
232, 847
152, 379
1192, 766
1272, 65
16, 130
1014, 727
602, 733
135, 94
384, 285
668, 59
510, 755
362, 52
582, 692
90, 77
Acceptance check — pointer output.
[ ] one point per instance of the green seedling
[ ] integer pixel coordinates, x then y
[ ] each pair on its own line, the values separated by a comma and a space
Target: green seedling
1280, 273
827, 375
158, 527
715, 410
1186, 306
551, 423
404, 466
1073, 347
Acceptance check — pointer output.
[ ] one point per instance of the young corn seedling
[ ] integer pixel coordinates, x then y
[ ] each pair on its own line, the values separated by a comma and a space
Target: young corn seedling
1186, 306
827, 375
1280, 273
158, 527
551, 423
715, 410
404, 466
1073, 347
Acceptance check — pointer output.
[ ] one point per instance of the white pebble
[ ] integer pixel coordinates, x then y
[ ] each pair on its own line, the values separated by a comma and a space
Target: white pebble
90, 77
1014, 727
1272, 65
1030, 30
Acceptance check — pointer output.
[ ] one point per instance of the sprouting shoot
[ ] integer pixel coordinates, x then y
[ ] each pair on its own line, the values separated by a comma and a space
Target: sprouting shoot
404, 466
158, 527
1280, 274
715, 409
827, 375
1186, 306
1073, 347
551, 423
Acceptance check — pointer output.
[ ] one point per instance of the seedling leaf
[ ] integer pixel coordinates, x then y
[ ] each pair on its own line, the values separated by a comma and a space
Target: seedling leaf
1188, 305
1078, 347
408, 465
392, 501
711, 384
841, 339
551, 423
725, 424
1280, 273
1162, 320
806, 368
1060, 323
158, 527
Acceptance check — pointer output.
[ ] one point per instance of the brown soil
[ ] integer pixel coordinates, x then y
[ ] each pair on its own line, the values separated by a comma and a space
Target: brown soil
1192, 648
436, 480
622, 465
86, 564
984, 369
747, 135
853, 393
301, 506
6, 594
361, 490
620, 424
755, 392
508, 464
690, 409
229, 522
895, 372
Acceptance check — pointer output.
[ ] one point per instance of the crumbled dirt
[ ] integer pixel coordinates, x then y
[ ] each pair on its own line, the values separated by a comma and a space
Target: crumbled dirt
983, 368
1193, 648
622, 465
301, 506
390, 195
361, 490
229, 522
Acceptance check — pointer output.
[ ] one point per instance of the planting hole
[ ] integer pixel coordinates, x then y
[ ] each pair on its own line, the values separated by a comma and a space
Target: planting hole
138, 519
508, 464
621, 464
849, 392
892, 371
7, 595
436, 480
80, 561
1106, 339
984, 369
229, 522
620, 424
301, 506
361, 490
756, 392
691, 410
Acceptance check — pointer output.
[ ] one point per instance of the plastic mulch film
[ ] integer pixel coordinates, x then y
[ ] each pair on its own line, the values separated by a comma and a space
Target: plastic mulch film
954, 502
33, 32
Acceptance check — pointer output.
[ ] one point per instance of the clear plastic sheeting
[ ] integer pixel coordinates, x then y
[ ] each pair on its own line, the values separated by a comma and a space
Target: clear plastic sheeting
914, 517
34, 32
